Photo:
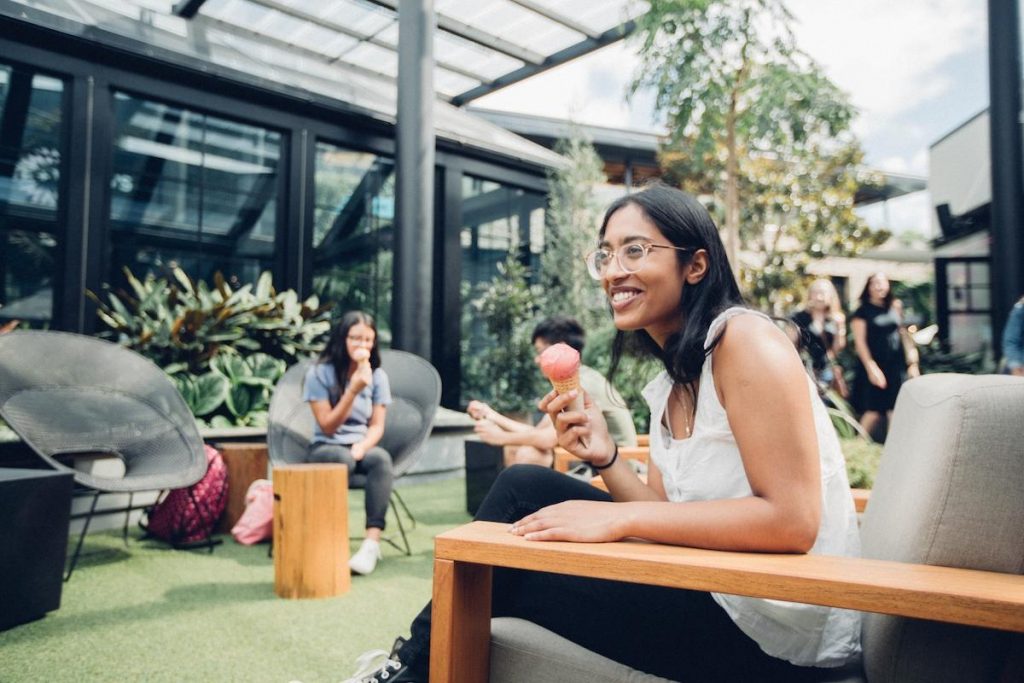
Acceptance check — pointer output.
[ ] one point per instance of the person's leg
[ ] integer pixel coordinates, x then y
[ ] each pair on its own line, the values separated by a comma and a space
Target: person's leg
334, 453
377, 466
517, 492
528, 455
869, 421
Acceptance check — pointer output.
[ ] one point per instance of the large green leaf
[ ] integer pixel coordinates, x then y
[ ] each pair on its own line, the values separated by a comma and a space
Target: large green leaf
211, 391
239, 400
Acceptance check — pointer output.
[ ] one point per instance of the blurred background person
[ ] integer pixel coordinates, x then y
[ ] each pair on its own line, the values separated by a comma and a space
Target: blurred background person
534, 444
1013, 341
822, 335
884, 360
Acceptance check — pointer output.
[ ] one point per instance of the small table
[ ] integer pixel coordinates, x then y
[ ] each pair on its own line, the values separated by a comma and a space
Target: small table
311, 530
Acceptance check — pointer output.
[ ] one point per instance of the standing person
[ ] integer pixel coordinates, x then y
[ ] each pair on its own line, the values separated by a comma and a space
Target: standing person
882, 352
349, 400
534, 445
1013, 340
744, 455
822, 328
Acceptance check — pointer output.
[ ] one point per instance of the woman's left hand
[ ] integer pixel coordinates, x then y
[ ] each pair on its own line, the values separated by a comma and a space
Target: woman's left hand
579, 521
358, 451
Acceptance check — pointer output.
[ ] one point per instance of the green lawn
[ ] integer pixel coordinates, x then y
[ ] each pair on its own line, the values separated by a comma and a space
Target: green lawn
148, 613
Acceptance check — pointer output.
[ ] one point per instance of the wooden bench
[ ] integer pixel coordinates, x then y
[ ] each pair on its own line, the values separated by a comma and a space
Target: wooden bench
464, 558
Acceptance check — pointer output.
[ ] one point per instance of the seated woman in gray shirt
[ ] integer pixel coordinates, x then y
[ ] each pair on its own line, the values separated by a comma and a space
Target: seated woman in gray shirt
349, 399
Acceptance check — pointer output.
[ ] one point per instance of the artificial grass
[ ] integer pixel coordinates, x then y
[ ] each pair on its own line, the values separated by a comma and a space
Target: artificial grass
149, 613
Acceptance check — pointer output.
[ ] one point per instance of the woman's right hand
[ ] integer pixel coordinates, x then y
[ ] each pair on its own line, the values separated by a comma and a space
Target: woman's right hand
876, 376
361, 378
583, 433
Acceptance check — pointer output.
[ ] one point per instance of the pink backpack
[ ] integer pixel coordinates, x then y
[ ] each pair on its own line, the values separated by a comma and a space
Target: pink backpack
190, 515
257, 522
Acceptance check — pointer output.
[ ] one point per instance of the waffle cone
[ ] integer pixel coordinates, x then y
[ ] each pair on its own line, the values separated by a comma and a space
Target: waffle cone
566, 385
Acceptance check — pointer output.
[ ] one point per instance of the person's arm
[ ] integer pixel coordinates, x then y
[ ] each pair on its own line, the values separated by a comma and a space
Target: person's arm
330, 418
764, 391
478, 410
839, 341
910, 353
860, 345
374, 432
541, 436
1013, 341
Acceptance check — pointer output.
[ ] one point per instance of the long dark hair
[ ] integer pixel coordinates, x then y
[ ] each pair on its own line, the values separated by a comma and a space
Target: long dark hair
865, 295
336, 351
684, 222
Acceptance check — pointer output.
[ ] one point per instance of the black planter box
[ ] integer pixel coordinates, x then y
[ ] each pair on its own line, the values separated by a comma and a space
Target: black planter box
34, 514
483, 464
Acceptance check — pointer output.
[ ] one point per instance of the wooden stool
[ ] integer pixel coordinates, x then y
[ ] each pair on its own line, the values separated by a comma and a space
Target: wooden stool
246, 462
311, 531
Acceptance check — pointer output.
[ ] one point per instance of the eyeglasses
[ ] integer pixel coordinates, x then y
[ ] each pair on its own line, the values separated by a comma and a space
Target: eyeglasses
630, 257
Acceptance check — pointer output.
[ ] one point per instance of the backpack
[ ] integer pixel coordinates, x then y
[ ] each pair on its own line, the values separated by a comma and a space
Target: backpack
190, 515
257, 522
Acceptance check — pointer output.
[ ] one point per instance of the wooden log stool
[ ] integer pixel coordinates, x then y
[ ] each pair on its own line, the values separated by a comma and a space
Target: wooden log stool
311, 531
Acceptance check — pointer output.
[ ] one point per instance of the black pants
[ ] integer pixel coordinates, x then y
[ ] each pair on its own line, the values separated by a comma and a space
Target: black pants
377, 468
677, 634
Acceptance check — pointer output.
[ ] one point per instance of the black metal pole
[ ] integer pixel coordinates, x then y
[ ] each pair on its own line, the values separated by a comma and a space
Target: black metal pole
1007, 230
414, 230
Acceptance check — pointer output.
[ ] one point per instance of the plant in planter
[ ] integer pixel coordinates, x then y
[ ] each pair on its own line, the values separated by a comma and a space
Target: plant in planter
225, 348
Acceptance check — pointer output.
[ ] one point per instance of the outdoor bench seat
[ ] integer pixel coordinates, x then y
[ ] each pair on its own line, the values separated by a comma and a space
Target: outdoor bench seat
940, 579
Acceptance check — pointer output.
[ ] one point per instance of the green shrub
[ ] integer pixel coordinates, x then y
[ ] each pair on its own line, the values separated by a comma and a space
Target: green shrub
223, 348
862, 458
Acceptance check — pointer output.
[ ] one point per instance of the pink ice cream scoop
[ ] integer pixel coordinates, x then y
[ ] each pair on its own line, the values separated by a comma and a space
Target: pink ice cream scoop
560, 363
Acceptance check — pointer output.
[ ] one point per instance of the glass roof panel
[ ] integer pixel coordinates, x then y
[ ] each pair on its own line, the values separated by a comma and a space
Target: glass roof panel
450, 84
455, 50
358, 16
511, 22
597, 16
373, 58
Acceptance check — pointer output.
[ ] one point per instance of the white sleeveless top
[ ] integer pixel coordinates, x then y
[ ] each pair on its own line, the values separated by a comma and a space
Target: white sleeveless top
707, 466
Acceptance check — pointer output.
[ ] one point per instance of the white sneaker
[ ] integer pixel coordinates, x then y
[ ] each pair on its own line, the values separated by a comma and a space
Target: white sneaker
365, 559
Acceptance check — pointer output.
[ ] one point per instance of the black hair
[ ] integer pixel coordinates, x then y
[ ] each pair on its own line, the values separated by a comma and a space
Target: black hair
684, 222
865, 295
560, 328
336, 351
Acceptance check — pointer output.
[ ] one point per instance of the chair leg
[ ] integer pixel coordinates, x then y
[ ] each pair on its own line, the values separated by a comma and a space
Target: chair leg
404, 548
127, 516
81, 537
397, 497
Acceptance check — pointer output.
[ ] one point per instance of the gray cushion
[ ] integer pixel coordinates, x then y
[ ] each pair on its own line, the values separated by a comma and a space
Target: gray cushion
523, 651
948, 492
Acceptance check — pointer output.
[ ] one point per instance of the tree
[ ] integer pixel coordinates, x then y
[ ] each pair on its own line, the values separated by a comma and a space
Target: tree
571, 228
750, 111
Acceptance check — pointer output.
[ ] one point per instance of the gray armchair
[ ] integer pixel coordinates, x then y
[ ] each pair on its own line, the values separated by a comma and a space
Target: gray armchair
416, 394
69, 395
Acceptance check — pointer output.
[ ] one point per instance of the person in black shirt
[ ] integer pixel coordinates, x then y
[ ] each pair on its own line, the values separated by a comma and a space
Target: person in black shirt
883, 363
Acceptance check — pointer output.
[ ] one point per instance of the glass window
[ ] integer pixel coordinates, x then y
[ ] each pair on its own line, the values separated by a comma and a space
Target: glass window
353, 232
31, 158
193, 190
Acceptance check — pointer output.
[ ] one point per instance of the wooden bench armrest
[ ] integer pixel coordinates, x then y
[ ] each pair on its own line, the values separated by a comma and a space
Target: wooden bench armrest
463, 559
563, 458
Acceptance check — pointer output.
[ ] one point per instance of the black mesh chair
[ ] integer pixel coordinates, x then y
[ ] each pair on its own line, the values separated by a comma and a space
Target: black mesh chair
416, 394
69, 395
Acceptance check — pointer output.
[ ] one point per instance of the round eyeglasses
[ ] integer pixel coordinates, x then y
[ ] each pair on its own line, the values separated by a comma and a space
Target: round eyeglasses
630, 257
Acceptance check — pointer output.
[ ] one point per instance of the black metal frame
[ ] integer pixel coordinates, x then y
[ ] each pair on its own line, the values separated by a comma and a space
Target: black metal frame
92, 73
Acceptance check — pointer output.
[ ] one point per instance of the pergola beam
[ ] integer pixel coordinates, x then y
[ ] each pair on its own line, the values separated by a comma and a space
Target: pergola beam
186, 9
568, 54
475, 35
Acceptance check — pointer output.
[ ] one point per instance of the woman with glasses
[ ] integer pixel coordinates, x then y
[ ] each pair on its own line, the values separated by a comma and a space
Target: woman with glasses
348, 393
744, 458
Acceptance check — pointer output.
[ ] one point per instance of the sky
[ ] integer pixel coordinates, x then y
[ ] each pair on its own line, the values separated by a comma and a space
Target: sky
914, 69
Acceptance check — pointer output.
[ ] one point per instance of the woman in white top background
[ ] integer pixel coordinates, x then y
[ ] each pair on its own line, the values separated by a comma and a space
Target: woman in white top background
744, 455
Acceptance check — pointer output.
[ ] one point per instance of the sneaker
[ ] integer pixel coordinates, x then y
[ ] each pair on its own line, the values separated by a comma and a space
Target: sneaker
365, 559
378, 666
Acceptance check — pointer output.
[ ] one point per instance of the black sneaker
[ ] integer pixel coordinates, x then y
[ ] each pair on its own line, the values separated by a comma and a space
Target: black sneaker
378, 666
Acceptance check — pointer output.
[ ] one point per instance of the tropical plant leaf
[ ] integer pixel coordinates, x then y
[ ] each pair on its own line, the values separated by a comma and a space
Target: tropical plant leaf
211, 391
239, 400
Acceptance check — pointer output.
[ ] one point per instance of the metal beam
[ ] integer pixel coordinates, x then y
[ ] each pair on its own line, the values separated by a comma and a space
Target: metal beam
475, 35
551, 15
186, 9
362, 37
412, 300
1006, 255
568, 54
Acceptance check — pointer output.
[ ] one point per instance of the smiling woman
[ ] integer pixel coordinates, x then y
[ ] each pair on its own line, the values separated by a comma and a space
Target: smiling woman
744, 455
